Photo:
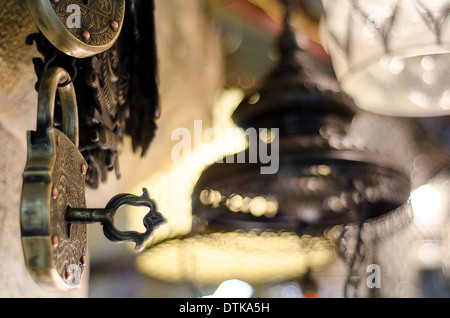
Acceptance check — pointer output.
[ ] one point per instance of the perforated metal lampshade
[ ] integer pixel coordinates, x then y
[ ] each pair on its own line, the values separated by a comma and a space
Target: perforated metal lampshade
255, 226
321, 180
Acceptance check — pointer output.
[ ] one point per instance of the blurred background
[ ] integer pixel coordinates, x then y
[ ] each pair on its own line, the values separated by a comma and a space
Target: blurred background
213, 56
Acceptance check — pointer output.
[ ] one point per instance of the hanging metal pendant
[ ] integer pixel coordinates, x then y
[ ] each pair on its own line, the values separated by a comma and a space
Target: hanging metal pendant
79, 28
117, 90
320, 179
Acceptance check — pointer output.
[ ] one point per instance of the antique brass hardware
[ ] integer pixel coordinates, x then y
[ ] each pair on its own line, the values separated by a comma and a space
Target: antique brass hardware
53, 204
117, 89
79, 28
105, 217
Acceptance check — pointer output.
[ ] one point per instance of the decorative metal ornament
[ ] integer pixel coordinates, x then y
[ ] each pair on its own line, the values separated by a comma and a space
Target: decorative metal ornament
79, 28
117, 91
53, 204
322, 180
53, 179
105, 217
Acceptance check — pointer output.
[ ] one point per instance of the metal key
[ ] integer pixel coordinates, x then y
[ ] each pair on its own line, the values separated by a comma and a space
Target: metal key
105, 217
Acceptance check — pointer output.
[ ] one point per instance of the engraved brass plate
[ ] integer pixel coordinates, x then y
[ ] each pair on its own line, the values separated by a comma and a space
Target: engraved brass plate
79, 28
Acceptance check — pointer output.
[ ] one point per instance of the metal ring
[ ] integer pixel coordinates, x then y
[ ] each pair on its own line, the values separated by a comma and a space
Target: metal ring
73, 77
48, 87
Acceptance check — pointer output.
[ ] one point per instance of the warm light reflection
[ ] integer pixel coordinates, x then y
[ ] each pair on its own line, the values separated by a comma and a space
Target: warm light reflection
426, 204
232, 288
257, 206
235, 202
267, 135
285, 290
430, 254
172, 188
251, 257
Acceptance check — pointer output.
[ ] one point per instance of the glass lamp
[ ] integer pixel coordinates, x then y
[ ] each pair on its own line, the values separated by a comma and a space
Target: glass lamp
255, 227
391, 56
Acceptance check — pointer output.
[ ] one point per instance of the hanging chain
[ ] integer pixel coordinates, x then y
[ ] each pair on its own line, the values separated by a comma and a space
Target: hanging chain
355, 255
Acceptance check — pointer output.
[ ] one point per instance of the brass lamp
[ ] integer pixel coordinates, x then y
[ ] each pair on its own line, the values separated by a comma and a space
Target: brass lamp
258, 226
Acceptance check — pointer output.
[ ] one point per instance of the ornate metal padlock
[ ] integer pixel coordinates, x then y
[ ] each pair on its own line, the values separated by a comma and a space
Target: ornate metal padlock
53, 204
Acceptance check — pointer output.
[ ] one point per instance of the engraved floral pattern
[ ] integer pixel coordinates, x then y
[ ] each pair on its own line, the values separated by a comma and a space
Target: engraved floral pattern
68, 179
96, 17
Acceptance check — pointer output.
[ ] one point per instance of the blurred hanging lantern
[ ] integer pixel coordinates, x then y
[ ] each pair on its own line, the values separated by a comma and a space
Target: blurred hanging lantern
391, 56
262, 213
319, 177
